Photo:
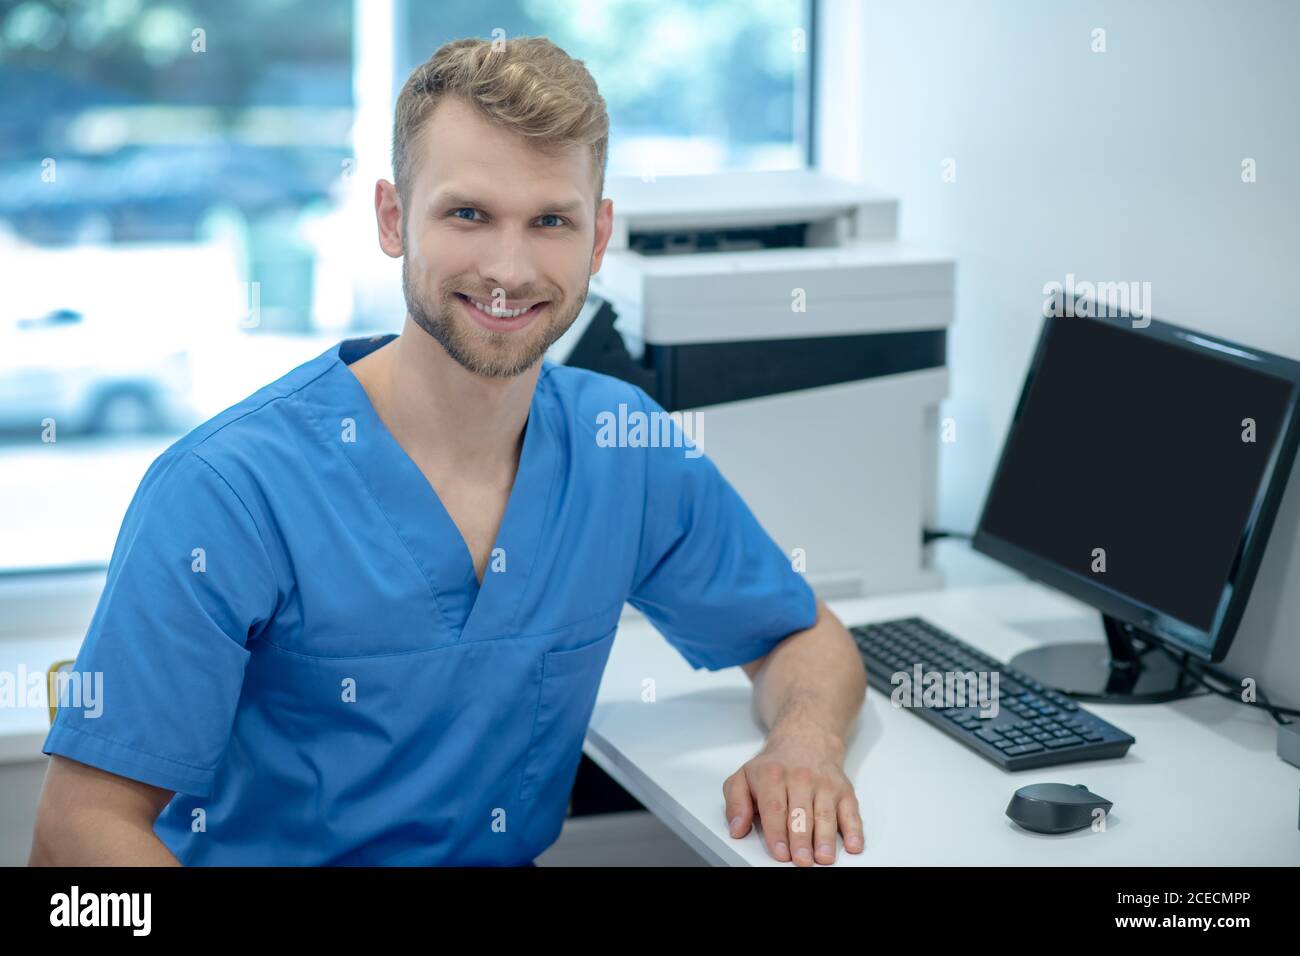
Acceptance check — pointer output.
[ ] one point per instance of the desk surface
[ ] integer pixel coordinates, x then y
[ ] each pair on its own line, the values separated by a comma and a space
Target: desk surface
1202, 786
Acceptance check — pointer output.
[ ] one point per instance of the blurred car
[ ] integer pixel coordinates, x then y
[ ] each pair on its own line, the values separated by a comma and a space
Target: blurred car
91, 376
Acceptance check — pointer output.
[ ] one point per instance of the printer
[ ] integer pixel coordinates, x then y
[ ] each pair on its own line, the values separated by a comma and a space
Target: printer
783, 311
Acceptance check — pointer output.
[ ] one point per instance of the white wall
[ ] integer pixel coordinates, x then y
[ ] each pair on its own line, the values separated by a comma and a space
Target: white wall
1122, 165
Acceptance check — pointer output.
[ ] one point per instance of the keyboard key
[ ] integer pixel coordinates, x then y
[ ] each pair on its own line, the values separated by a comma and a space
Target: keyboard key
1023, 749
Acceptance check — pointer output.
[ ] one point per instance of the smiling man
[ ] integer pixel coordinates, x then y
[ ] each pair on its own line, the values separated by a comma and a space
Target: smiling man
361, 617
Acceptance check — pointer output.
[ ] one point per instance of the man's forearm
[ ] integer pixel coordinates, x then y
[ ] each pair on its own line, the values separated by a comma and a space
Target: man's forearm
812, 684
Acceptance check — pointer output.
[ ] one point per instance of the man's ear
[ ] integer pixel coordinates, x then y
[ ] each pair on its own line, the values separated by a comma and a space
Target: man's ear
604, 229
388, 217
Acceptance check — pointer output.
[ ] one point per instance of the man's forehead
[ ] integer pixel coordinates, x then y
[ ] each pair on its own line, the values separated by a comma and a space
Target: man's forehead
464, 156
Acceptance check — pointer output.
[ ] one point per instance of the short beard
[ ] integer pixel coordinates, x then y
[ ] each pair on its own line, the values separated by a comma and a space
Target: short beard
480, 350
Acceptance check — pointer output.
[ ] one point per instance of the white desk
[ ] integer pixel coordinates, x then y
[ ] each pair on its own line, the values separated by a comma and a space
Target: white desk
1202, 786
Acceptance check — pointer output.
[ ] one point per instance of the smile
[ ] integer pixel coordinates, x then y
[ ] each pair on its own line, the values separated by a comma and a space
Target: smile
500, 319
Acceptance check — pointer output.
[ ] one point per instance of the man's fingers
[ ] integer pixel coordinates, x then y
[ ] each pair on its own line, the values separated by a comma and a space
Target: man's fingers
825, 826
800, 816
851, 823
739, 804
770, 795
799, 787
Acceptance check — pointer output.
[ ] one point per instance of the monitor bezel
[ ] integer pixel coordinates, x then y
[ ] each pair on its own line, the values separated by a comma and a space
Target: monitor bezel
1210, 643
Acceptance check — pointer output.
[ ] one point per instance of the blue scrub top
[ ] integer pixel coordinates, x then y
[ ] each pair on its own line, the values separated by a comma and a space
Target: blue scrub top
293, 639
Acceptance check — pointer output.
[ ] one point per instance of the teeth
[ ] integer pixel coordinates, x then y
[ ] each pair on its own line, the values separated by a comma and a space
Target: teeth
498, 313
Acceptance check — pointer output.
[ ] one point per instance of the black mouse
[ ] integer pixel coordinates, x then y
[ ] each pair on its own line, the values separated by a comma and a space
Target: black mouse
1055, 807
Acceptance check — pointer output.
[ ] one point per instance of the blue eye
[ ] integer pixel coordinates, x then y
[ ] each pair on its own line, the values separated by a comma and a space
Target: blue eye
464, 209
553, 216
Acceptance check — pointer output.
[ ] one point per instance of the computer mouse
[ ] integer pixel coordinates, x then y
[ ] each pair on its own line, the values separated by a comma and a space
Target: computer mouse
1055, 807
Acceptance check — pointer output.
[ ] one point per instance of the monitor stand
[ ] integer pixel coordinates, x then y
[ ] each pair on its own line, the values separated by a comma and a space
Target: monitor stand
1135, 671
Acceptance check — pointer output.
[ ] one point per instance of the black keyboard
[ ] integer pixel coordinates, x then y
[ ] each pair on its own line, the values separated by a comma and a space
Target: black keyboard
1034, 726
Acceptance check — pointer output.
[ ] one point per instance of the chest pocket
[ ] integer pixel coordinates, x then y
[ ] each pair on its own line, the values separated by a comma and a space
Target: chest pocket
565, 701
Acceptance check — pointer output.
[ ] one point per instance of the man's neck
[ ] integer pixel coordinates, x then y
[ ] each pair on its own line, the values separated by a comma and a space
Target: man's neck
443, 414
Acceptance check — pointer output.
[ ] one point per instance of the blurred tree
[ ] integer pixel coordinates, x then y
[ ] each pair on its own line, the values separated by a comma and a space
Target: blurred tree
719, 68
143, 48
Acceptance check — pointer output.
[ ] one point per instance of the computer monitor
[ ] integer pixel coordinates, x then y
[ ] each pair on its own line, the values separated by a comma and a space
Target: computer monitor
1141, 475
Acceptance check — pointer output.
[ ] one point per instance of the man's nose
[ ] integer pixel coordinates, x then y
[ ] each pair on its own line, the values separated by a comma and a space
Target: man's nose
508, 263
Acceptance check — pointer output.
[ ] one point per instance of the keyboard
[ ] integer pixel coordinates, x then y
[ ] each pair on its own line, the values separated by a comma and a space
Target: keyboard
1034, 726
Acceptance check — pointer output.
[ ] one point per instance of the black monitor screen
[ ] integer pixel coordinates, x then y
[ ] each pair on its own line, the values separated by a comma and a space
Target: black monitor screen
1134, 445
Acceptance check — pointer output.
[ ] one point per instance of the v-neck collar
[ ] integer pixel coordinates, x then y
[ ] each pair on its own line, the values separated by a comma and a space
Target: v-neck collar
469, 611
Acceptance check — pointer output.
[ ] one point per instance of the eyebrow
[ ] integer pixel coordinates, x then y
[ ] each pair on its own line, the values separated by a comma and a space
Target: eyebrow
458, 199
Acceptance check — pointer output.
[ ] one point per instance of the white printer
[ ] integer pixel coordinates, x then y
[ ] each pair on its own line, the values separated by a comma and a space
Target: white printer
781, 307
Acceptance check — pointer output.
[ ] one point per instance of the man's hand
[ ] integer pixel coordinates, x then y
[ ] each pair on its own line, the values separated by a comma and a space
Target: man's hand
803, 799
808, 690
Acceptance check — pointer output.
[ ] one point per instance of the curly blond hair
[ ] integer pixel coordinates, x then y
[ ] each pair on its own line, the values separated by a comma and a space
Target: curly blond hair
526, 84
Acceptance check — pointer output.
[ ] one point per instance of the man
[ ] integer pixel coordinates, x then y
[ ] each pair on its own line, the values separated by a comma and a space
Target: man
361, 617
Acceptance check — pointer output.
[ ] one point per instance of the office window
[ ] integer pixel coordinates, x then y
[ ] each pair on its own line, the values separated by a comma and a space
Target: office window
692, 86
179, 222
161, 165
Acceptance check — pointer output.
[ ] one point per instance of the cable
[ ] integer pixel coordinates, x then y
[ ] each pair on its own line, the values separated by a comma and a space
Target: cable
1185, 665
933, 534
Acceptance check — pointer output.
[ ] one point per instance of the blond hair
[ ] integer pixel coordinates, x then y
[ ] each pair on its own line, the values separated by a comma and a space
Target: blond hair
527, 85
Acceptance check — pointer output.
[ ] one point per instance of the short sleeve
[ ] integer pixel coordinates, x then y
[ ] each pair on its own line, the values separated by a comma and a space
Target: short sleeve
708, 576
154, 689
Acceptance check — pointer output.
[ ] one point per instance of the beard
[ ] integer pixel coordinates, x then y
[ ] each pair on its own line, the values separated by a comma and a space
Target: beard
483, 351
